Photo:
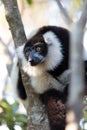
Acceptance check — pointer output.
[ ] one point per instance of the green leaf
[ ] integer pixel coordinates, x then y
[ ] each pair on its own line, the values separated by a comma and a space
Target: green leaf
21, 118
5, 105
10, 116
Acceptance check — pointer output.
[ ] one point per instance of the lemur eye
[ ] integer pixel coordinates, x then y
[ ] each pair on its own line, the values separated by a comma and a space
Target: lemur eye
27, 53
38, 49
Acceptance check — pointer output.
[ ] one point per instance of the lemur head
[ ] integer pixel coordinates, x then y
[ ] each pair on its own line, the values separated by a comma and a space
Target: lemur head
45, 47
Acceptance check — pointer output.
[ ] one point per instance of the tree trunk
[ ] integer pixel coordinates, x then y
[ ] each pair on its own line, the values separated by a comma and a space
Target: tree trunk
37, 117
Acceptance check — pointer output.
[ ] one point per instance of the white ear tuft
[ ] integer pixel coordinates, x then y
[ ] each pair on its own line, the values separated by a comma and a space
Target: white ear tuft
20, 55
47, 40
48, 37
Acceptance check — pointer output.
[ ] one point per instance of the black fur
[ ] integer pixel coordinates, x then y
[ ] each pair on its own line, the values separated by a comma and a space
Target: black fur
20, 88
55, 102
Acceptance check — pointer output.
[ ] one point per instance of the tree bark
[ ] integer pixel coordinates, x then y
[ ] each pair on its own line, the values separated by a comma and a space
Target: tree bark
37, 117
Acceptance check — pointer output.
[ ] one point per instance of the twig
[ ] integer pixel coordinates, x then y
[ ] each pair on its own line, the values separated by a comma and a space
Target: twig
64, 13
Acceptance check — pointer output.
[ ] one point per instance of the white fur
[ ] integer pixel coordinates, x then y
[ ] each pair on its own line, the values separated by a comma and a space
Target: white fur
45, 82
20, 55
14, 75
54, 56
65, 77
40, 79
85, 46
84, 51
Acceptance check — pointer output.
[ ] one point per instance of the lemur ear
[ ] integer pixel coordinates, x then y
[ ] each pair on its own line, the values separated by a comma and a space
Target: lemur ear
47, 38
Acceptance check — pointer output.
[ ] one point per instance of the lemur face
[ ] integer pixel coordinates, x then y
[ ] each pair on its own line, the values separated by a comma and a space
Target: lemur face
35, 53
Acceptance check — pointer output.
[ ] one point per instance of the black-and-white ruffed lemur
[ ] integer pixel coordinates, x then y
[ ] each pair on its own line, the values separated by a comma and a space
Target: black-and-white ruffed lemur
46, 56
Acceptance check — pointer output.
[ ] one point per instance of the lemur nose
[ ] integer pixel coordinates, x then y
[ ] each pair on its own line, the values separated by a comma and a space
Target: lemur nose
29, 59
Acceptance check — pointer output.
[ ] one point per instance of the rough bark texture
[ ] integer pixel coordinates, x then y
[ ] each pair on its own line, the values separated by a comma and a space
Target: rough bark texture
37, 117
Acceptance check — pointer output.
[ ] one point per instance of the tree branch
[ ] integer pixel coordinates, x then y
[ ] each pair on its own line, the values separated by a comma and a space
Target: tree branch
64, 13
76, 51
77, 67
14, 21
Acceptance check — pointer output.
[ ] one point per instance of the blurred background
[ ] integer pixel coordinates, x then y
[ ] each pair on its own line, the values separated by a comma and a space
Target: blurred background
34, 13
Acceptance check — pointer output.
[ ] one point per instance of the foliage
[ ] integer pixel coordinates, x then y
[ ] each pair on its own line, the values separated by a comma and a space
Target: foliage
10, 117
29, 2
77, 3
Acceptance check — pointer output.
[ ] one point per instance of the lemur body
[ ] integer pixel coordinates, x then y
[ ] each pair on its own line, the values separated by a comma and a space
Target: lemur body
45, 58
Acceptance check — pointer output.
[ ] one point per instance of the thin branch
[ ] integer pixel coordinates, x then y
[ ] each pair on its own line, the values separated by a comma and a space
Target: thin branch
83, 19
64, 13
